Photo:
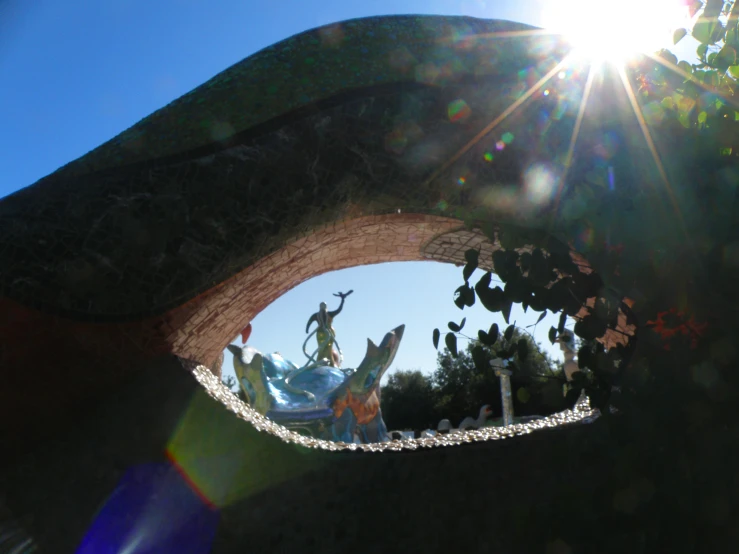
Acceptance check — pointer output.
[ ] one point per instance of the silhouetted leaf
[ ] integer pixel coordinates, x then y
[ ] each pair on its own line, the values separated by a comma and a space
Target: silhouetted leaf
480, 358
464, 296
493, 299
485, 281
506, 310
541, 299
552, 335
508, 335
539, 274
563, 262
471, 256
459, 301
451, 343
437, 335
590, 328
541, 317
517, 290
562, 322
727, 56
525, 261
493, 334
584, 357
704, 29
701, 50
586, 285
579, 378
668, 56
523, 349
454, 327
505, 264
678, 35
607, 307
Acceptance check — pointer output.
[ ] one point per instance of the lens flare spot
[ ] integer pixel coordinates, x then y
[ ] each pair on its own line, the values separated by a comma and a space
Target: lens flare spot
611, 178
458, 110
607, 146
562, 75
427, 73
461, 181
587, 238
221, 130
507, 138
395, 142
331, 35
488, 156
398, 139
499, 145
637, 26
442, 205
539, 184
546, 92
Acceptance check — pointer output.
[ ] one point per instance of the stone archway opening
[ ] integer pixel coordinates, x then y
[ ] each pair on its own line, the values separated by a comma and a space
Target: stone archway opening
366, 240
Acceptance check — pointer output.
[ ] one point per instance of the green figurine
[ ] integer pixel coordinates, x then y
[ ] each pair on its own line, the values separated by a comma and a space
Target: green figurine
325, 334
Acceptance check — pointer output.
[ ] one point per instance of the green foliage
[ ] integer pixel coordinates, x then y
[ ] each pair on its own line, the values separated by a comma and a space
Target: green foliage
471, 256
491, 337
545, 280
457, 328
230, 382
677, 396
464, 380
409, 401
451, 343
680, 87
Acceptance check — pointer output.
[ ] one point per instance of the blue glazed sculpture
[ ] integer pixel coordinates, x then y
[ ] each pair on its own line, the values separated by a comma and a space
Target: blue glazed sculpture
319, 398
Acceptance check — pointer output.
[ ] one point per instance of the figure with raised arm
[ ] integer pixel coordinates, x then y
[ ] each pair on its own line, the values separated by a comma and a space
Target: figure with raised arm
325, 334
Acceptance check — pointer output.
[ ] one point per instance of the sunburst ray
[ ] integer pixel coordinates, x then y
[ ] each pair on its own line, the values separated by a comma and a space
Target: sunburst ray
497, 121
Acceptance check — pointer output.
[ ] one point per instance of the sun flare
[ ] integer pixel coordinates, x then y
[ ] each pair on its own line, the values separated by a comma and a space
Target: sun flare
615, 31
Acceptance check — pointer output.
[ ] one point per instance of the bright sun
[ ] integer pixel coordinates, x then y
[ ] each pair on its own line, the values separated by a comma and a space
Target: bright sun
614, 31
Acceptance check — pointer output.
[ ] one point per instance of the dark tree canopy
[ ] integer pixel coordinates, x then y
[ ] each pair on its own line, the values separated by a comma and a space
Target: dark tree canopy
460, 385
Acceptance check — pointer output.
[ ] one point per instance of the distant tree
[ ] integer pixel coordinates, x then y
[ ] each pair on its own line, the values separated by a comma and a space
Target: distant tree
461, 385
467, 382
462, 388
230, 382
408, 401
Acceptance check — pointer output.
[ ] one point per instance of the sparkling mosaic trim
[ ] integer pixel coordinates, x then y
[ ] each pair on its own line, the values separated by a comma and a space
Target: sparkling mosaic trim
581, 413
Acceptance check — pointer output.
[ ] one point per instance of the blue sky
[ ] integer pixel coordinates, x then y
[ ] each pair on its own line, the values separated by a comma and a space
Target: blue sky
76, 73
417, 294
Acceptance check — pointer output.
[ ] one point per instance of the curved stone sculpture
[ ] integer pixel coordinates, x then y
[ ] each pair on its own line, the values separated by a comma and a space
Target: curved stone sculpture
382, 139
340, 404
164, 239
363, 142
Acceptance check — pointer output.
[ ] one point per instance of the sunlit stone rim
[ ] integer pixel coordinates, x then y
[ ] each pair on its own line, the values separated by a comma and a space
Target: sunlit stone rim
217, 390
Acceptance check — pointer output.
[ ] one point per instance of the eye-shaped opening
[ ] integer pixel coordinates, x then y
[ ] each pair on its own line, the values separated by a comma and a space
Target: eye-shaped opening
331, 401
